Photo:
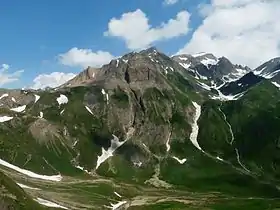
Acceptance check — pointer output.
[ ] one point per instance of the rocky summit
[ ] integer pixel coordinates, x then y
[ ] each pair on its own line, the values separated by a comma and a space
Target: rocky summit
145, 131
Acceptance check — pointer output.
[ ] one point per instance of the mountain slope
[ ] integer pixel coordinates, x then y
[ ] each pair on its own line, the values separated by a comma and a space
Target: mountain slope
142, 123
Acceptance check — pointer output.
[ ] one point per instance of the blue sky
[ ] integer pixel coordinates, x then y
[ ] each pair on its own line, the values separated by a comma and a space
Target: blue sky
34, 33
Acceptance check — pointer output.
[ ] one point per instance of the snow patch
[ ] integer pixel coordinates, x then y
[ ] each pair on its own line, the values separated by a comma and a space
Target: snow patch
62, 112
208, 61
55, 178
89, 110
27, 187
195, 128
115, 144
62, 99
276, 84
171, 68
181, 161
220, 159
167, 143
117, 194
5, 118
37, 97
126, 61
41, 115
185, 65
199, 54
19, 108
49, 203
117, 64
4, 95
270, 75
183, 58
204, 86
223, 97
117, 205
82, 169
14, 100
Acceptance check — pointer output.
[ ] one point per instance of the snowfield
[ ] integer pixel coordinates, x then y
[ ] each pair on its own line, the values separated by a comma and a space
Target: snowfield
19, 108
31, 174
62, 99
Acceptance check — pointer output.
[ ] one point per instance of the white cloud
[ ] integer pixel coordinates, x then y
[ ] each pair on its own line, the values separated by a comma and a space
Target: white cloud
134, 29
6, 78
170, 2
84, 58
52, 80
245, 31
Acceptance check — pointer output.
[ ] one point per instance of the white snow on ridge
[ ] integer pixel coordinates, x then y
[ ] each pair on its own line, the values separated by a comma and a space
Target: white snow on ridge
270, 75
4, 95
260, 71
185, 65
5, 118
37, 97
49, 203
208, 61
88, 109
183, 58
181, 161
117, 205
27, 187
19, 109
199, 54
55, 178
195, 128
62, 99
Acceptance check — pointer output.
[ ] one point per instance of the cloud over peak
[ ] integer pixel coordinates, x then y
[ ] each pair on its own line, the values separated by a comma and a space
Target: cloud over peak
76, 57
135, 30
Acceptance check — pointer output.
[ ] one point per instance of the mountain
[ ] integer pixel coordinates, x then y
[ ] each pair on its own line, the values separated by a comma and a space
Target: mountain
142, 132
206, 66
